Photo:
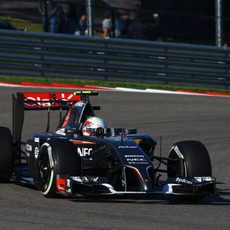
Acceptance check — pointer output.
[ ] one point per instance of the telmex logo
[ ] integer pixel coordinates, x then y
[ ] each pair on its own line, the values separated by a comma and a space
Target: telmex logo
84, 151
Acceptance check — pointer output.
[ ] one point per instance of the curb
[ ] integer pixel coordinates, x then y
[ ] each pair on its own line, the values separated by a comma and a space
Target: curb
100, 88
54, 86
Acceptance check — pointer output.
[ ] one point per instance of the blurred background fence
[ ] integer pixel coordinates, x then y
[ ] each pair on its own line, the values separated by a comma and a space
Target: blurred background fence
53, 55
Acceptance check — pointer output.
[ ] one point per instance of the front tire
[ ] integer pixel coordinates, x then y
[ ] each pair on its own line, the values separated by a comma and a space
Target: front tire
6, 154
189, 159
56, 157
193, 160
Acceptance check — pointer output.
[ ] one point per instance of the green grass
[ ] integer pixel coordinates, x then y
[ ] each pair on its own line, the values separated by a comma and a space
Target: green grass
110, 84
24, 24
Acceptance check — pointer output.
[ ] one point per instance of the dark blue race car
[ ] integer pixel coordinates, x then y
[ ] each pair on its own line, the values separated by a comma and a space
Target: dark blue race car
111, 162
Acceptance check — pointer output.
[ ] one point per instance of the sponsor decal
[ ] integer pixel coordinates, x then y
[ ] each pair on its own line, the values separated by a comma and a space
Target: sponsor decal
36, 152
136, 159
46, 100
84, 151
84, 179
36, 139
127, 147
28, 147
203, 179
183, 180
80, 104
135, 155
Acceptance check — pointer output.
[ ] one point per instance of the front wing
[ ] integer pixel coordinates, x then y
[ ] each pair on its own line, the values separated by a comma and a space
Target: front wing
189, 187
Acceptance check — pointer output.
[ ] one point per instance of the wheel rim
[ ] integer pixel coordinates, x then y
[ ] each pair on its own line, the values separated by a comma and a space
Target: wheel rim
46, 173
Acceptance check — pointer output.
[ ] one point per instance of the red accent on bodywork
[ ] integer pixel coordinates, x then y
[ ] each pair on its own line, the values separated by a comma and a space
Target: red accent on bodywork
138, 173
66, 121
37, 100
61, 185
82, 143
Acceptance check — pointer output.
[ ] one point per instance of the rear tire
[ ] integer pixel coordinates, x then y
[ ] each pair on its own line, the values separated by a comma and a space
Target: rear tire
6, 154
56, 157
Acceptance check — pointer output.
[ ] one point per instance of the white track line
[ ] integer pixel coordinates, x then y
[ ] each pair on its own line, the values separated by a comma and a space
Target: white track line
158, 91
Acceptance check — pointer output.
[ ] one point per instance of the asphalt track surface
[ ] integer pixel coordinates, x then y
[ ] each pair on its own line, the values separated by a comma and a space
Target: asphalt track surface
174, 117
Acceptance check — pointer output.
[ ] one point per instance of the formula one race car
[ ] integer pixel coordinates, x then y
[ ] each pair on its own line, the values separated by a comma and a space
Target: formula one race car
111, 162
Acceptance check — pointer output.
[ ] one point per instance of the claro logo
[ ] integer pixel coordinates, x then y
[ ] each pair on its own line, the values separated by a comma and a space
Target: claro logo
45, 100
84, 151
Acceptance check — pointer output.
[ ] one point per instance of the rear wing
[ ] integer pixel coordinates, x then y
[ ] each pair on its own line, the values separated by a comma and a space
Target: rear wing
52, 100
43, 101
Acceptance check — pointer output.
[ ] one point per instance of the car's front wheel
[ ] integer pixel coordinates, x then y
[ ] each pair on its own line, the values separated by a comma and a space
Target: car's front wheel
193, 160
56, 157
189, 159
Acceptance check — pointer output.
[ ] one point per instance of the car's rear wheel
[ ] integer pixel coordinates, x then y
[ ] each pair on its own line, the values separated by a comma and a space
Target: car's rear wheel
56, 157
6, 154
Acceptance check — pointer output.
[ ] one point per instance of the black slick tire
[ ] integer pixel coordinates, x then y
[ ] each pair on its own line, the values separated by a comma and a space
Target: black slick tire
192, 160
56, 157
195, 160
6, 154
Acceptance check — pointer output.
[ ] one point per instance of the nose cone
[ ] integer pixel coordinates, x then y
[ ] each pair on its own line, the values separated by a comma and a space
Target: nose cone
139, 179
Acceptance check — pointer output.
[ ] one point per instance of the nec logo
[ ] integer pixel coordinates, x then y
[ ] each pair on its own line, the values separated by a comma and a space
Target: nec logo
84, 151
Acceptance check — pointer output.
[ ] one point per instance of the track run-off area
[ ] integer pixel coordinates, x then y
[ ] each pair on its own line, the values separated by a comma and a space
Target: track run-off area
169, 117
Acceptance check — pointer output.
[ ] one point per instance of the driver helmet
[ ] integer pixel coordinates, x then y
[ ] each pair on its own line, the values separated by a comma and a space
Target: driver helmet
91, 124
